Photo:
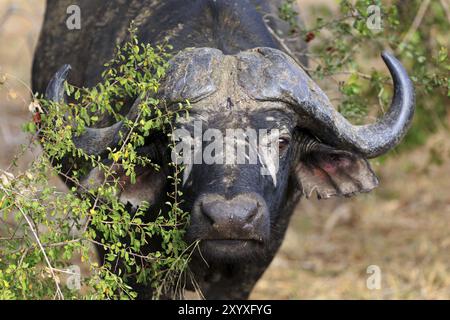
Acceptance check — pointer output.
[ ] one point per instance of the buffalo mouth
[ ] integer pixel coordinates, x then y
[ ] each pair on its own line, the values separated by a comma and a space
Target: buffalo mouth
230, 249
233, 242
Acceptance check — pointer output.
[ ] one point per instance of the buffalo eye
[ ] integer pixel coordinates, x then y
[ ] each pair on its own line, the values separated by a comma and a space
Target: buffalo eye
283, 144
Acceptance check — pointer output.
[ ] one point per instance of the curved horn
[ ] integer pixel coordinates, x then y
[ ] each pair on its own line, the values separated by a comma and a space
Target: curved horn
55, 88
375, 139
93, 141
279, 77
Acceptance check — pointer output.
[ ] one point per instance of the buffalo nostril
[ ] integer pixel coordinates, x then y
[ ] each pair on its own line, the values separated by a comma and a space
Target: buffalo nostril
207, 211
240, 218
236, 214
252, 214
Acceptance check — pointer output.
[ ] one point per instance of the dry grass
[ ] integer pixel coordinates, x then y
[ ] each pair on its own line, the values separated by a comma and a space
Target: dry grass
403, 227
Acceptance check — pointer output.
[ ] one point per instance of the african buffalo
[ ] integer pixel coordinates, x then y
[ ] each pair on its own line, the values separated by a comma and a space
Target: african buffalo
239, 69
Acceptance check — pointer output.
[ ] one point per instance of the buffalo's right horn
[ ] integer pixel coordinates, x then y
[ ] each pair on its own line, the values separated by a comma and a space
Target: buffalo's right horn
93, 141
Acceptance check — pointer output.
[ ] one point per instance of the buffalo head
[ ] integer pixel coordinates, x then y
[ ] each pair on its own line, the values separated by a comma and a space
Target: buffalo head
239, 208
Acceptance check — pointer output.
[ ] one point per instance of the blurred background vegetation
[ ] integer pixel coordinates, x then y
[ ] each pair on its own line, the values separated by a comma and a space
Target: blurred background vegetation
402, 227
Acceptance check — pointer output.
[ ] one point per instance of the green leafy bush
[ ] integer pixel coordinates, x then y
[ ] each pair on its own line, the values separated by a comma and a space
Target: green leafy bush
342, 48
46, 228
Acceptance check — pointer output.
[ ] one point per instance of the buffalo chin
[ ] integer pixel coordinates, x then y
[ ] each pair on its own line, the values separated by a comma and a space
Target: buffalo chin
230, 250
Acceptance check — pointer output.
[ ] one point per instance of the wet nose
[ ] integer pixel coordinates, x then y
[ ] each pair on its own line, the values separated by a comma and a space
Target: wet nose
239, 218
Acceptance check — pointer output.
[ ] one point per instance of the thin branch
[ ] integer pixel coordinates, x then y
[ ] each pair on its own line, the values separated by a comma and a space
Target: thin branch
30, 223
416, 23
281, 42
59, 293
446, 6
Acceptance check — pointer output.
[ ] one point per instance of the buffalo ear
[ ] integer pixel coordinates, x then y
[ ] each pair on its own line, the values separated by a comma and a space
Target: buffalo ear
149, 186
332, 172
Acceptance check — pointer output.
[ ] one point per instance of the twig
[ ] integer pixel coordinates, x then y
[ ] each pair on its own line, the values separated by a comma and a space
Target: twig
330, 23
416, 23
59, 293
30, 223
446, 7
146, 258
63, 243
281, 42
11, 238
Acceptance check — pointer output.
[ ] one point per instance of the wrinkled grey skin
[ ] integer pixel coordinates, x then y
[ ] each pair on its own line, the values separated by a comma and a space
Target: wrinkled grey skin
238, 75
269, 75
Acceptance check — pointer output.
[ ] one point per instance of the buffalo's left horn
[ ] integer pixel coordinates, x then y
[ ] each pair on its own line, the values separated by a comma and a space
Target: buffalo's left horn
374, 139
279, 78
92, 141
